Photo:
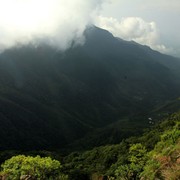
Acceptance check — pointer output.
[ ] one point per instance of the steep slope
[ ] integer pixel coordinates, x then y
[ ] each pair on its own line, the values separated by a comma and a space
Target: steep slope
153, 155
50, 98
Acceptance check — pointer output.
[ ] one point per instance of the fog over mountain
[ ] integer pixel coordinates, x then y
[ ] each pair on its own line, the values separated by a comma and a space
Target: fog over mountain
61, 22
62, 78
56, 22
50, 98
89, 89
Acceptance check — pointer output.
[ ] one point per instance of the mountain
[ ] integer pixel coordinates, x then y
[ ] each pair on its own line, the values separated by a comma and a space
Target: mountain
153, 155
50, 98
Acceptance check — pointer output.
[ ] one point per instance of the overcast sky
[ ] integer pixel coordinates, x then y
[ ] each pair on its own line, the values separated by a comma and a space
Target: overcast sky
152, 22
155, 23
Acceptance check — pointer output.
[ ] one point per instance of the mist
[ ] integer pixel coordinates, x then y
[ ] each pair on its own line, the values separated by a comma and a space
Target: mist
57, 22
136, 29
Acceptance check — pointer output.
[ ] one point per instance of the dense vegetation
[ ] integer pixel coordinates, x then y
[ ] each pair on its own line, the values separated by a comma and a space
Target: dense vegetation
82, 114
154, 155
22, 167
49, 98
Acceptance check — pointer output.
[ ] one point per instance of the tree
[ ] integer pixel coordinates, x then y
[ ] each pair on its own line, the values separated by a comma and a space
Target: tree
137, 160
20, 166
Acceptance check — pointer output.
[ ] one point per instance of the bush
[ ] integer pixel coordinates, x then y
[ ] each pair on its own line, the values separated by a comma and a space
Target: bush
34, 167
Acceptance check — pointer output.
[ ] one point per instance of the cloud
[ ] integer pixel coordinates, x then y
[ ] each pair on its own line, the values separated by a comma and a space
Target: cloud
136, 29
58, 21
172, 6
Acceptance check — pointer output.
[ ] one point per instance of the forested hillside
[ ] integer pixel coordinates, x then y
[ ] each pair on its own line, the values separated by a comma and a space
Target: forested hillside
154, 155
50, 99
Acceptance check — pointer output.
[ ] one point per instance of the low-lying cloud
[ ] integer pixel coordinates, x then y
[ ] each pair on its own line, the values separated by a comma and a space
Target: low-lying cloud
136, 29
58, 21
61, 22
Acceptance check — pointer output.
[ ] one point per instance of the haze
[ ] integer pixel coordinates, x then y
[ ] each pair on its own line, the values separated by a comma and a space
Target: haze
59, 22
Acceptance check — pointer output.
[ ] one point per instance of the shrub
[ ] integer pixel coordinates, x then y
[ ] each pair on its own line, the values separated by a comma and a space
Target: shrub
35, 167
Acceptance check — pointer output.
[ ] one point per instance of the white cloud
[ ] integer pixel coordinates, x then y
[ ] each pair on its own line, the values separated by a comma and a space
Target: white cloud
136, 29
59, 21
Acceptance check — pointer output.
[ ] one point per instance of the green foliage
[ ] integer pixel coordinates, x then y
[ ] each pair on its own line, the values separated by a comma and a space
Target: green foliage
151, 169
162, 157
36, 167
123, 172
137, 158
137, 153
133, 158
97, 160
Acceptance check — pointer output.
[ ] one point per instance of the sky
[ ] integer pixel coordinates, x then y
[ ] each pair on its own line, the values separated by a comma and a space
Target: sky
155, 23
59, 22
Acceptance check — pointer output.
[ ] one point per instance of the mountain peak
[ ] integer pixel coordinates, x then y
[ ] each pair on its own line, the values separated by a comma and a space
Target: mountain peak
47, 94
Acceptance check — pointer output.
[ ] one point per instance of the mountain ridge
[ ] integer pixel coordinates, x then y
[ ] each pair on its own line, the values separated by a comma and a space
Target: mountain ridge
50, 98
